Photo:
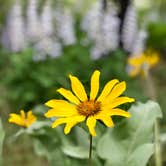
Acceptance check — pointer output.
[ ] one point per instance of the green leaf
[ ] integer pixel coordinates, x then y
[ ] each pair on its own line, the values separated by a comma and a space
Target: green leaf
37, 126
141, 155
82, 137
130, 141
76, 151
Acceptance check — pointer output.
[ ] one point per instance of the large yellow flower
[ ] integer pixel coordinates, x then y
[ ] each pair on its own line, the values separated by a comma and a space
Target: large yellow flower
22, 119
142, 63
80, 107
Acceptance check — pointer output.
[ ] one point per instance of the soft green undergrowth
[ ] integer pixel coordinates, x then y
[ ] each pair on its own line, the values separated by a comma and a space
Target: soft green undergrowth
129, 143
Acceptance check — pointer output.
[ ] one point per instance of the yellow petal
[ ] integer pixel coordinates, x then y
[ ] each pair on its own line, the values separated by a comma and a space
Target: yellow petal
60, 108
91, 123
119, 112
107, 89
94, 84
29, 113
68, 95
54, 103
118, 101
30, 118
61, 112
107, 120
153, 59
134, 71
73, 122
22, 114
16, 119
78, 88
116, 91
136, 61
59, 121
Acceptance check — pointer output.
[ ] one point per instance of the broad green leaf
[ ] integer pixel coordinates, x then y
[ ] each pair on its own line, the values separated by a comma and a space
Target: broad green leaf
141, 155
130, 141
76, 151
82, 137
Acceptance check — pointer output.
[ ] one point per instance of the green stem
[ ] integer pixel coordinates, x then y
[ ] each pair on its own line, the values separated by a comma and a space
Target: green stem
90, 151
158, 160
152, 94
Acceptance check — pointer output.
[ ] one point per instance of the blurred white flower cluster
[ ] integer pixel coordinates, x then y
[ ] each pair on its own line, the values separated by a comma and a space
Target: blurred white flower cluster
53, 27
134, 39
103, 28
13, 36
46, 31
65, 28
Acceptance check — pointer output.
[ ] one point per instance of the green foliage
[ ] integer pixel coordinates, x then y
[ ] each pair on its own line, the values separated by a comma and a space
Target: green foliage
157, 35
129, 143
30, 83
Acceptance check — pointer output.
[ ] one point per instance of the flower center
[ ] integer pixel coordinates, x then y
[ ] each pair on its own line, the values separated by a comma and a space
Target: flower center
90, 107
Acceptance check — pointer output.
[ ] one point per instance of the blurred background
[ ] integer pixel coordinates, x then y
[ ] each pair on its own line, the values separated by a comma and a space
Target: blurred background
43, 41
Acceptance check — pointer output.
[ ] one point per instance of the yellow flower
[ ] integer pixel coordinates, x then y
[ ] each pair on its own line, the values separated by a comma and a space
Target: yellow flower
80, 107
22, 119
142, 63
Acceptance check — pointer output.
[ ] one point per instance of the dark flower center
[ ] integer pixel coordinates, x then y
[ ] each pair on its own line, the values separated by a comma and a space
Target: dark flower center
89, 107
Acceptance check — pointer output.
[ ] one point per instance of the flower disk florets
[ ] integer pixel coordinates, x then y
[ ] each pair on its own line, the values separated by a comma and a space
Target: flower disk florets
89, 107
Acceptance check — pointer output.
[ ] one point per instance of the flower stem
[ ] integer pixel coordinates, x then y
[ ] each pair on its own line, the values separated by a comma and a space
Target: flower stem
90, 151
158, 160
152, 94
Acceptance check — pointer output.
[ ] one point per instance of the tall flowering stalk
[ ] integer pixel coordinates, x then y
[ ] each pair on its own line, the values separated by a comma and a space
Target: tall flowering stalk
34, 30
130, 27
140, 42
47, 19
65, 26
142, 64
102, 26
48, 45
80, 107
14, 28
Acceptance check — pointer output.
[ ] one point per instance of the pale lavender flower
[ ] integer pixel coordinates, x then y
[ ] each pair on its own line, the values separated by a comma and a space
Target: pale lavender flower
110, 30
91, 21
47, 19
13, 37
139, 43
65, 27
34, 28
102, 28
97, 51
130, 28
47, 47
